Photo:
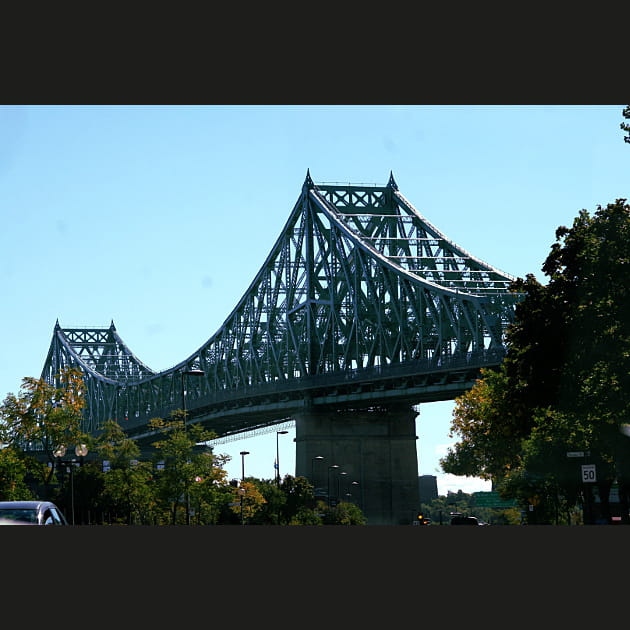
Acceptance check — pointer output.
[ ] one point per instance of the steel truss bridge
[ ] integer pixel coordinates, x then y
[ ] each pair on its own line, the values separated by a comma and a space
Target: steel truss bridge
361, 302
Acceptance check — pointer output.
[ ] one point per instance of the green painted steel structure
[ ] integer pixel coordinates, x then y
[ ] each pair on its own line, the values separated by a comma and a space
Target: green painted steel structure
360, 301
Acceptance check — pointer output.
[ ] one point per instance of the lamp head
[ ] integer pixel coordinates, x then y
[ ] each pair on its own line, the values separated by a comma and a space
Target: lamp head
60, 451
81, 450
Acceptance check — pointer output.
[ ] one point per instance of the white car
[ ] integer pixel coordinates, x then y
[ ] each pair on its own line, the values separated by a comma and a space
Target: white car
31, 513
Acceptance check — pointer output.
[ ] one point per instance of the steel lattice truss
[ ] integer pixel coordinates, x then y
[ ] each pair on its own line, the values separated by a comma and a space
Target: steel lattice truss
358, 279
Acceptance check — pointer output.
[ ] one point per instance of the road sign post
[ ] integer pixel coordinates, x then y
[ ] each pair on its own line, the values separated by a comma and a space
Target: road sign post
589, 473
589, 476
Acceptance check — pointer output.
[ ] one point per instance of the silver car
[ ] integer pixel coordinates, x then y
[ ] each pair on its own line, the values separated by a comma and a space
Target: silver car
31, 513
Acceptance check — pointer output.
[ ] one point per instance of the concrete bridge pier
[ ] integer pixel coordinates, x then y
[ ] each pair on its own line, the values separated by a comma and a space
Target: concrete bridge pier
375, 447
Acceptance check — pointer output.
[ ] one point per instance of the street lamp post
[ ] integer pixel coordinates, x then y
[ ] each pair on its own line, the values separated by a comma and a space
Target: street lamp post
278, 456
242, 454
187, 373
339, 484
242, 489
80, 450
333, 467
313, 460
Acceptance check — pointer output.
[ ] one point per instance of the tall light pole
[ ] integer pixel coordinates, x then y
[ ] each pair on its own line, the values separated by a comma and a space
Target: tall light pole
185, 373
333, 467
339, 484
242, 489
313, 460
242, 454
278, 456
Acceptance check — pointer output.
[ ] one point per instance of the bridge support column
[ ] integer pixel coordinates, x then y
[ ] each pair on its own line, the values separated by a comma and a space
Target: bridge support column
375, 446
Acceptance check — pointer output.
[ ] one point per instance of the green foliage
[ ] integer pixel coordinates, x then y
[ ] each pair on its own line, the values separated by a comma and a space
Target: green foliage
625, 126
180, 481
83, 487
565, 382
190, 477
45, 415
12, 473
439, 510
289, 502
114, 446
126, 494
292, 502
489, 433
274, 509
344, 513
299, 500
247, 500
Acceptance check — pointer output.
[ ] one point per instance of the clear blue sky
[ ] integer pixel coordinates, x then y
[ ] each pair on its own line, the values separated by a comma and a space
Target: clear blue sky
158, 217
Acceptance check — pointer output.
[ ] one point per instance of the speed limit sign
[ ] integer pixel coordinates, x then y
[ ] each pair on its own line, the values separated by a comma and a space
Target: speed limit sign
588, 473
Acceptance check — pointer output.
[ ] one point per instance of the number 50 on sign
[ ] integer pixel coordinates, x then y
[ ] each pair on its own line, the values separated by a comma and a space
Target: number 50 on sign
588, 473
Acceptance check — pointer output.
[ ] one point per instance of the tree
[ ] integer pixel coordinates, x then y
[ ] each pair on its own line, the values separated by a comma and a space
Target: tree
189, 472
565, 382
440, 510
44, 416
345, 513
490, 433
625, 126
291, 502
247, 500
12, 473
81, 493
126, 491
272, 511
589, 268
210, 491
299, 501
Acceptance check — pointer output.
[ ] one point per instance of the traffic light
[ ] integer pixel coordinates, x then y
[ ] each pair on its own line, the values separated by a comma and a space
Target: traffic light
422, 520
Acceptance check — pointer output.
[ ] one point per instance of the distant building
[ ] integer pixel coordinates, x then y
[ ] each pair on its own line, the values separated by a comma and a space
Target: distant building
427, 484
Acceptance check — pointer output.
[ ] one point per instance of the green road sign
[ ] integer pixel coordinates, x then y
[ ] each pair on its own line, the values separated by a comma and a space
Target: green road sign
492, 500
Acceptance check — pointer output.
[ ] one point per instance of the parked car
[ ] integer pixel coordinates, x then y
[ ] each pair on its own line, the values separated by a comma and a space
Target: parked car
31, 513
